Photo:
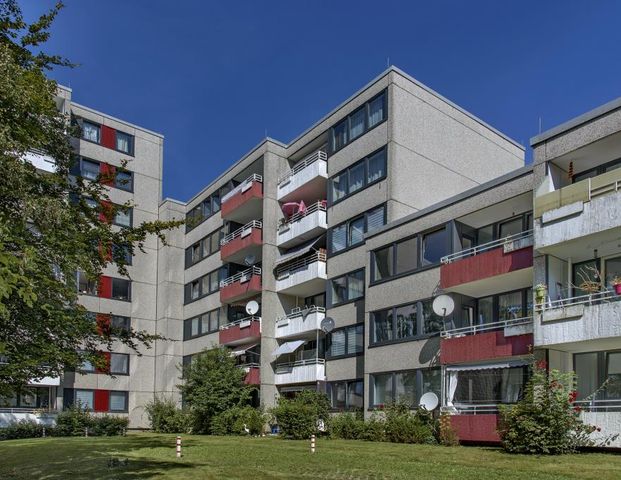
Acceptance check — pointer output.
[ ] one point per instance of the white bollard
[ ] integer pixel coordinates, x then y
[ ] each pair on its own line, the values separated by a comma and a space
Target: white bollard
43, 433
86, 432
312, 443
178, 446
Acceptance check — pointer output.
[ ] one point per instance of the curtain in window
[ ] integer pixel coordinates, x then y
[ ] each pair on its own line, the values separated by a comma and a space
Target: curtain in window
123, 218
337, 345
356, 177
376, 111
119, 363
405, 387
89, 170
122, 142
512, 381
196, 326
84, 398
356, 123
355, 285
382, 388
90, 132
117, 401
355, 394
510, 306
375, 219
452, 388
377, 166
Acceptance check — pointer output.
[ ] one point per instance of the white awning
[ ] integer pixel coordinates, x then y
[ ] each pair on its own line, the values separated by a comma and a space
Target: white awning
487, 366
298, 251
242, 350
287, 347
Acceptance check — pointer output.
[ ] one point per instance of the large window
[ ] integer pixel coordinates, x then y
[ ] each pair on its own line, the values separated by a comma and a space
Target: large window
86, 286
347, 288
208, 207
124, 142
119, 364
471, 237
404, 386
204, 248
599, 170
359, 175
208, 322
205, 285
112, 401
351, 233
409, 255
346, 395
359, 122
85, 398
121, 289
124, 180
505, 306
345, 341
404, 322
91, 131
92, 170
488, 386
599, 373
29, 397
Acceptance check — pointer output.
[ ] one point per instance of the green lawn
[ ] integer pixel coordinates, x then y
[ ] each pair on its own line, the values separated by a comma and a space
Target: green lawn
153, 456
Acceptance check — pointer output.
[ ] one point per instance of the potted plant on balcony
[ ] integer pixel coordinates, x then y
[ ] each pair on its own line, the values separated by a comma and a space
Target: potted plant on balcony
540, 293
616, 284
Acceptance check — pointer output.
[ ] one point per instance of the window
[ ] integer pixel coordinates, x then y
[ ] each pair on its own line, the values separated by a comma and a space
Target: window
318, 300
118, 401
205, 285
123, 216
346, 395
359, 122
208, 322
124, 142
600, 169
124, 180
597, 369
496, 231
118, 322
86, 286
119, 364
205, 247
347, 288
121, 289
90, 131
403, 386
30, 397
89, 169
409, 255
359, 175
87, 367
122, 252
404, 322
490, 386
208, 207
504, 306
345, 341
85, 398
351, 233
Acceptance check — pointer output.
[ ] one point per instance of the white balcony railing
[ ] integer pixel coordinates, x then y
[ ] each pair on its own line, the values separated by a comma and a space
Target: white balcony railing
590, 299
611, 405
243, 186
302, 371
241, 232
300, 321
463, 409
241, 277
474, 329
241, 323
298, 167
299, 312
296, 217
287, 269
524, 238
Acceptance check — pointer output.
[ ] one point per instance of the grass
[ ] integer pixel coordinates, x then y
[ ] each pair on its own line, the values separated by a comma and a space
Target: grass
153, 456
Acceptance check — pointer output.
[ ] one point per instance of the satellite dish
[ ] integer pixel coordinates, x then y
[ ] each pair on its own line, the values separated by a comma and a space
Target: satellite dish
443, 305
327, 325
252, 307
249, 260
429, 401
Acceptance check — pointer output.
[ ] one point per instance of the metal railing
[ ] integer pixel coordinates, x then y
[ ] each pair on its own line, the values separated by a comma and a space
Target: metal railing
243, 276
474, 329
472, 409
248, 366
300, 363
243, 186
299, 311
299, 264
241, 232
34, 411
589, 299
612, 405
319, 206
470, 252
298, 167
226, 326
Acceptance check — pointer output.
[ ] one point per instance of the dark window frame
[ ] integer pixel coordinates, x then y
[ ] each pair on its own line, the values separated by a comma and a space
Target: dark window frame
201, 243
126, 406
366, 184
78, 169
187, 325
132, 138
330, 297
199, 211
130, 211
124, 374
393, 373
129, 289
348, 223
599, 170
330, 391
187, 297
348, 331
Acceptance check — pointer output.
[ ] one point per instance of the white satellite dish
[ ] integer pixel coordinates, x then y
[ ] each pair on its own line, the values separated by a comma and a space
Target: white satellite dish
429, 401
443, 305
252, 307
249, 260
327, 325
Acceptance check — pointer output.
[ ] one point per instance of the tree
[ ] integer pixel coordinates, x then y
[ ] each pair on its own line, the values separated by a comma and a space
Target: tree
212, 385
48, 231
300, 417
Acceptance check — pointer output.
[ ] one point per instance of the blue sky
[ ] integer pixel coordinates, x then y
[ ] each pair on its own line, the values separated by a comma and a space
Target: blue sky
214, 76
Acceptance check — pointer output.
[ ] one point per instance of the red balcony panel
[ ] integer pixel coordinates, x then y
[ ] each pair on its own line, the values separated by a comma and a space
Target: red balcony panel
253, 377
238, 244
108, 136
239, 290
480, 428
484, 265
101, 401
105, 287
237, 200
241, 333
107, 173
483, 346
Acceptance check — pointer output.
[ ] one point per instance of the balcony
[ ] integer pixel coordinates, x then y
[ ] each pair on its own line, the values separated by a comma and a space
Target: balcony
606, 414
486, 342
591, 207
240, 286
306, 180
253, 373
502, 265
302, 371
301, 322
303, 226
41, 161
303, 276
241, 331
245, 201
477, 426
247, 240
594, 317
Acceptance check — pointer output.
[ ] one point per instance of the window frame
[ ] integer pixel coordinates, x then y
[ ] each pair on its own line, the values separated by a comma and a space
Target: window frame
187, 298
419, 386
129, 289
206, 240
331, 388
347, 223
348, 331
130, 213
126, 406
330, 297
187, 325
125, 374
365, 184
198, 209
94, 124
131, 142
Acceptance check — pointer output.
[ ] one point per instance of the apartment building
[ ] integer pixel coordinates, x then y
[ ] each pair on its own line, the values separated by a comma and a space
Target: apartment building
394, 197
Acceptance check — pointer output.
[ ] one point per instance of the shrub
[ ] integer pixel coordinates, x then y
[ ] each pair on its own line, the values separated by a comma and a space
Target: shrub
108, 426
374, 429
299, 417
23, 429
73, 421
545, 421
236, 420
347, 426
404, 426
446, 433
166, 417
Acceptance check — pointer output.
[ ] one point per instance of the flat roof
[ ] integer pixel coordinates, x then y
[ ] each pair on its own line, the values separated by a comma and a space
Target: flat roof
125, 122
520, 172
577, 121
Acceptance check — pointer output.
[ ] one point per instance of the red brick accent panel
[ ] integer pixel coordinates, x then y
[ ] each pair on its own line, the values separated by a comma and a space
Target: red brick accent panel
254, 238
476, 428
236, 333
237, 200
237, 290
108, 137
485, 265
483, 346
253, 377
102, 401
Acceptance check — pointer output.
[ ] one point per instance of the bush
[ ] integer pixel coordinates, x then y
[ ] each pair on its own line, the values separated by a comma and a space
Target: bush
236, 420
108, 426
165, 417
23, 429
447, 435
299, 418
347, 426
73, 421
374, 430
404, 426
